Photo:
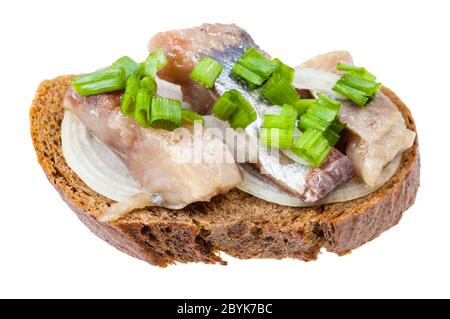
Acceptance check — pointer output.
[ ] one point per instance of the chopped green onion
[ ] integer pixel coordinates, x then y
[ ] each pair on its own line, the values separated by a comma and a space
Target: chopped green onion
206, 72
226, 105
323, 99
310, 121
143, 106
253, 80
279, 91
240, 119
149, 84
154, 62
324, 112
129, 65
277, 137
302, 105
245, 113
165, 113
356, 96
312, 146
103, 81
337, 126
235, 109
359, 70
279, 121
257, 63
284, 70
331, 136
286, 119
190, 116
128, 102
358, 82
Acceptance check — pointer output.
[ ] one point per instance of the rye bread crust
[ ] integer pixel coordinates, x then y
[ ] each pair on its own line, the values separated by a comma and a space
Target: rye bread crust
236, 223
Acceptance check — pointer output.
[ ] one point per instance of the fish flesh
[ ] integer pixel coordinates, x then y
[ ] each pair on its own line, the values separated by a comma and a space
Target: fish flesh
376, 133
226, 44
155, 158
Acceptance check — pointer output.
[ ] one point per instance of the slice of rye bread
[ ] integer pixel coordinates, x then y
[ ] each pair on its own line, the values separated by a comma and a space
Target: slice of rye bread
239, 224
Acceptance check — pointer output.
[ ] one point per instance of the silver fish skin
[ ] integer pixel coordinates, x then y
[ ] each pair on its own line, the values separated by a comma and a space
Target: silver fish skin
226, 44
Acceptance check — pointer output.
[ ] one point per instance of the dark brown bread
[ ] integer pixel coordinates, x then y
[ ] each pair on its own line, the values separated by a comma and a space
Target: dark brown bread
236, 223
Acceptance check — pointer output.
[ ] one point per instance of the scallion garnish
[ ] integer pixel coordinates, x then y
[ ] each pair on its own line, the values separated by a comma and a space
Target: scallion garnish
277, 137
257, 63
142, 112
356, 96
235, 109
245, 113
129, 65
206, 72
226, 105
279, 91
358, 82
154, 62
284, 70
149, 84
253, 80
312, 146
337, 126
103, 81
358, 85
190, 116
356, 69
302, 105
310, 121
331, 136
165, 113
128, 101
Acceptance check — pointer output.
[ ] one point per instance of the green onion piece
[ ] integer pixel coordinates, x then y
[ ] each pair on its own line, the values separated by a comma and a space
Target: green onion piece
289, 110
165, 113
149, 84
128, 101
358, 82
356, 96
323, 112
284, 70
206, 72
254, 80
127, 104
103, 81
359, 70
226, 105
325, 100
302, 105
244, 107
257, 63
331, 136
310, 121
312, 146
337, 126
277, 137
143, 106
279, 121
190, 116
279, 91
154, 62
129, 65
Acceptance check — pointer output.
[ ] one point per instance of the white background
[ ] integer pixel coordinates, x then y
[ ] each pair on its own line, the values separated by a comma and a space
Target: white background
45, 251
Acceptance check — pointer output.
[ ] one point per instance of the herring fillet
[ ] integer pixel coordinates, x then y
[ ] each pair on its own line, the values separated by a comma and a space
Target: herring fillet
226, 44
377, 133
152, 155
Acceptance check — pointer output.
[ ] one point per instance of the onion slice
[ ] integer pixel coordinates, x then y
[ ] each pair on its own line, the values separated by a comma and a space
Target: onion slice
96, 165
